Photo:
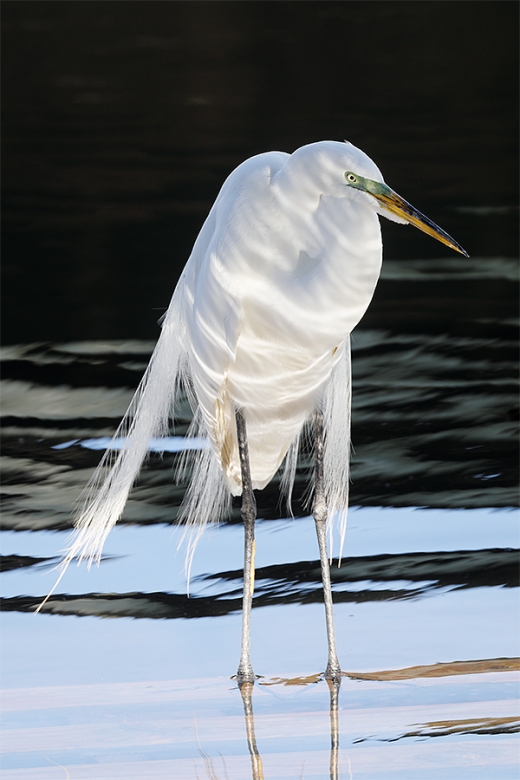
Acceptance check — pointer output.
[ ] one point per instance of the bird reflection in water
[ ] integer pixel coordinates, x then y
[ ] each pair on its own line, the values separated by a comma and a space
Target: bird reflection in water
334, 728
246, 691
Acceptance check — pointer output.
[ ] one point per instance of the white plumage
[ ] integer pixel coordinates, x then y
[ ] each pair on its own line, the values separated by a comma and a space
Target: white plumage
283, 269
271, 291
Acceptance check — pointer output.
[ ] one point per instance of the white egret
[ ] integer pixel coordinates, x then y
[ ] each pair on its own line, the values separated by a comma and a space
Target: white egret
257, 334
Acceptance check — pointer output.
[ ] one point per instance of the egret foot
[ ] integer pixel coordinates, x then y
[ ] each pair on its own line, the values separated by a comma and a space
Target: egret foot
245, 676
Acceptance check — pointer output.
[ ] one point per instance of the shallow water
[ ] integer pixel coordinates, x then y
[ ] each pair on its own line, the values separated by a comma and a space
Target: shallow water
151, 696
198, 729
425, 597
119, 123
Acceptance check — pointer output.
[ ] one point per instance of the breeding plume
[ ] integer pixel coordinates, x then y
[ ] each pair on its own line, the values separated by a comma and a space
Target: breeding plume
257, 335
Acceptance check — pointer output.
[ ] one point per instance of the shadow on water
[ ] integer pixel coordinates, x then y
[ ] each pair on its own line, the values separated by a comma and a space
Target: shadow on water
409, 575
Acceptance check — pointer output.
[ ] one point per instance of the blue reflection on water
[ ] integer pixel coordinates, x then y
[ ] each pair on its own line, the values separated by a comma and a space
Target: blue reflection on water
439, 627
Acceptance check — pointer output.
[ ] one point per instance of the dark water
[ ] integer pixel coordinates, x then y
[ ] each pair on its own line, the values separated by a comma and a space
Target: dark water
120, 122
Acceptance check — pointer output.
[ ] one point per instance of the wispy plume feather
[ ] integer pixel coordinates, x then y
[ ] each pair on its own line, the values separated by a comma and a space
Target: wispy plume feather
336, 460
102, 502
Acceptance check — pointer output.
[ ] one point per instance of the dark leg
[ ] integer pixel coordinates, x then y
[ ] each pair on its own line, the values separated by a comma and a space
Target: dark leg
319, 509
245, 672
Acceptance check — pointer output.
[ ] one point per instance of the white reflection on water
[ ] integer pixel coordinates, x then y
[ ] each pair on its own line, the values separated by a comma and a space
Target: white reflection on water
164, 444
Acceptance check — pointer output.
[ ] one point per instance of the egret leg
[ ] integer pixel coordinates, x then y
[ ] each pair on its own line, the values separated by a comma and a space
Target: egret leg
245, 672
319, 510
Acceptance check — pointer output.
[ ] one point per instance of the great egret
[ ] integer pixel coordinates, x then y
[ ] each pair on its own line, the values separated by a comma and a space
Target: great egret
257, 334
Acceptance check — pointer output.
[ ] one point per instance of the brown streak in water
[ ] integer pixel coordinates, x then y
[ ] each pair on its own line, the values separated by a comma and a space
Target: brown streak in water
442, 670
410, 672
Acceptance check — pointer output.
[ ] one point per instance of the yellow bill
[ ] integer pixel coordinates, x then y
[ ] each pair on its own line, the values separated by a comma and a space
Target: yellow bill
393, 203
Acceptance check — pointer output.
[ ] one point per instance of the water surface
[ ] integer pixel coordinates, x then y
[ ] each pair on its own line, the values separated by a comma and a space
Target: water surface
120, 122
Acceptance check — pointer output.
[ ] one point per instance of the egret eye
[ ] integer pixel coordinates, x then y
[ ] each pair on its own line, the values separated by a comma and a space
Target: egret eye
350, 178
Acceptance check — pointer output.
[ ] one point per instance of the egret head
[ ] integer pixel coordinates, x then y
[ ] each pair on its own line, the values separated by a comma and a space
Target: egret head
389, 204
341, 170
